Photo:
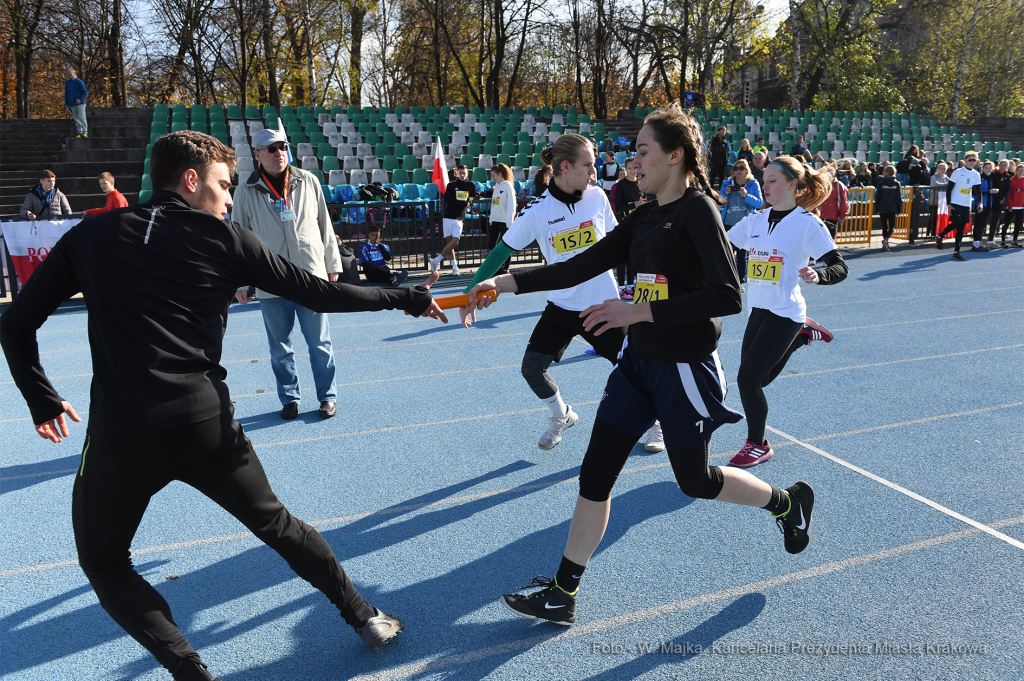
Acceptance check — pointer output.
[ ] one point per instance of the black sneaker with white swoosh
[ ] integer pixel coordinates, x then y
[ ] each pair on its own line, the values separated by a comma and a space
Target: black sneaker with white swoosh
551, 603
796, 524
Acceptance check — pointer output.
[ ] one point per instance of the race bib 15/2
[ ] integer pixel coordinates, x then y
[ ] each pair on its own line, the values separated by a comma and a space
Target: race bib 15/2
574, 238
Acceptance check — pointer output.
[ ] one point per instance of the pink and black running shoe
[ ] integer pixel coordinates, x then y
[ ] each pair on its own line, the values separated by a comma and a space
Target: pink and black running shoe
752, 454
815, 331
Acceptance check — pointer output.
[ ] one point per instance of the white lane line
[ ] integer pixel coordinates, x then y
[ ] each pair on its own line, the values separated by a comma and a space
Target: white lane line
389, 429
902, 490
390, 380
342, 519
923, 295
934, 319
448, 661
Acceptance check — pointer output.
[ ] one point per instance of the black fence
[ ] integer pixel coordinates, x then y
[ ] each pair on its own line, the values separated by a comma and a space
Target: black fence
413, 231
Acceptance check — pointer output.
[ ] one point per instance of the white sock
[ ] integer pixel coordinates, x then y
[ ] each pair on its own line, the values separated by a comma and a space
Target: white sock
435, 261
455, 263
977, 244
557, 405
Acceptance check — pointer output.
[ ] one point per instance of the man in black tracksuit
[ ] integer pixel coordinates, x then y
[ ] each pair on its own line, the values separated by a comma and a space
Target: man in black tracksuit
889, 203
158, 279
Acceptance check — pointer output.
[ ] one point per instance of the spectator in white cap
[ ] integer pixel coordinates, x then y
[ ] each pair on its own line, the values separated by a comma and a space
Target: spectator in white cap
285, 208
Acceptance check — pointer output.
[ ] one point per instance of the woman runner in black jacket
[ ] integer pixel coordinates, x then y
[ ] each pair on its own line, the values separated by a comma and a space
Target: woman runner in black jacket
669, 367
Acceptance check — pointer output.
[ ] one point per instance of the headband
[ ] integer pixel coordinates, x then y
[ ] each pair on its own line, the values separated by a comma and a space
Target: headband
784, 168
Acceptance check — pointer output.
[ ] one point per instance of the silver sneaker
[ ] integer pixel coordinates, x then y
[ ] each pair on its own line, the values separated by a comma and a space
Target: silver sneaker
455, 270
655, 439
434, 264
553, 435
379, 630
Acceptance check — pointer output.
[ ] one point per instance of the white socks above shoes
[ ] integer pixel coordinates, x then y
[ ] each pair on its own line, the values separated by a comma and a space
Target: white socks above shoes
557, 405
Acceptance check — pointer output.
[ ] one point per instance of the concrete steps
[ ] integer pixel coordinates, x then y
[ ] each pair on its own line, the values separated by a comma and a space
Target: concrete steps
116, 144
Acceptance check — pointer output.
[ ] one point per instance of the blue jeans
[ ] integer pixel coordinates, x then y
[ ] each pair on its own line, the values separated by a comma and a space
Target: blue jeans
279, 317
78, 113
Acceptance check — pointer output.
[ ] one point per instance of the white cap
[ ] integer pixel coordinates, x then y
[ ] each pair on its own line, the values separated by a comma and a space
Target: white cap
266, 137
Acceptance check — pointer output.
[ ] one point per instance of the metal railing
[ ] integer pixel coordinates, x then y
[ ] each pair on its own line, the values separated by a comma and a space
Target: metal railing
413, 231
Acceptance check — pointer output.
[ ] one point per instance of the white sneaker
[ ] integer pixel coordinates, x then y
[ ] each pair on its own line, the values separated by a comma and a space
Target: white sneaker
553, 435
434, 264
655, 440
455, 270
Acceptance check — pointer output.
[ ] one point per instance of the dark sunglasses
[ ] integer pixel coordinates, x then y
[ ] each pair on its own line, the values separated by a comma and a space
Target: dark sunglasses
738, 168
277, 148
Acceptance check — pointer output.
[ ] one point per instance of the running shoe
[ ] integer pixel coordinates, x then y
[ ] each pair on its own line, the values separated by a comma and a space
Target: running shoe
1003, 244
455, 270
885, 244
752, 454
625, 294
553, 435
815, 331
1016, 245
957, 256
991, 245
979, 249
193, 669
938, 242
434, 264
551, 603
379, 630
796, 524
655, 439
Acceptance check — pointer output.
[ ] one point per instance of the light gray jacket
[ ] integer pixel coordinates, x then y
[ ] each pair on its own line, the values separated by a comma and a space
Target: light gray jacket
308, 241
59, 209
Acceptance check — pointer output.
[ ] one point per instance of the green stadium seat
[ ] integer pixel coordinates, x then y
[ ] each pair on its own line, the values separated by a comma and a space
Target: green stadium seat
145, 195
317, 138
522, 160
234, 112
389, 163
480, 175
329, 163
381, 150
199, 126
536, 160
147, 182
400, 176
475, 138
178, 125
318, 175
323, 150
421, 176
473, 149
410, 162
467, 160
504, 158
491, 148
371, 138
158, 128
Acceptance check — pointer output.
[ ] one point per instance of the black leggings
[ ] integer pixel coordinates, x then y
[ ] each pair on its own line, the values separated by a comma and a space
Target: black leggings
959, 216
496, 230
888, 224
610, 448
1017, 215
116, 480
768, 343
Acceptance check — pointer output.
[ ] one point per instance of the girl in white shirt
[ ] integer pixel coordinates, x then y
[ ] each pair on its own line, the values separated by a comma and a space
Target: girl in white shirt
503, 208
779, 242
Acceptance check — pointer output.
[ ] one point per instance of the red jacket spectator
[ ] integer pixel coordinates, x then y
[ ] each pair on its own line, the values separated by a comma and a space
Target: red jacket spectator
1015, 199
837, 205
115, 199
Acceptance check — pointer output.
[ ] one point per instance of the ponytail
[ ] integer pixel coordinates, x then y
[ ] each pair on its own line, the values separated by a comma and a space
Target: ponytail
565, 148
812, 187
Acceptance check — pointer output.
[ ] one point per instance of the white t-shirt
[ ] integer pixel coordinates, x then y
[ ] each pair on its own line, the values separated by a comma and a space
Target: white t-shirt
562, 231
503, 203
965, 181
775, 256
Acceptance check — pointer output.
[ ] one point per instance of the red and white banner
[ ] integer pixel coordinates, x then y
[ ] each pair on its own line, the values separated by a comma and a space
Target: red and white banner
440, 177
30, 242
941, 212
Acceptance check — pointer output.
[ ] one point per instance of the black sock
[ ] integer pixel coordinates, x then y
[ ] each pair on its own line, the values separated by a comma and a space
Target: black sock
568, 576
779, 503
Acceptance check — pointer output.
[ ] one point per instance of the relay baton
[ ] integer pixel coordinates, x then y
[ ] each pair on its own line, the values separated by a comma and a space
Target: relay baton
462, 300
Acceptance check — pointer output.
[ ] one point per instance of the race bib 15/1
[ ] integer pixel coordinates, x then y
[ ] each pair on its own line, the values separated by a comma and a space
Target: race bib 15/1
764, 270
650, 287
574, 238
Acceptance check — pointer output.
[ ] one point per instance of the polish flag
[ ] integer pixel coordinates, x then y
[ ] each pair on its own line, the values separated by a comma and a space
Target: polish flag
440, 177
28, 243
942, 213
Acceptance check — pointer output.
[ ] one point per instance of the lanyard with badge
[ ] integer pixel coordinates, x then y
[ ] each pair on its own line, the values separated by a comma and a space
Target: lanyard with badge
283, 206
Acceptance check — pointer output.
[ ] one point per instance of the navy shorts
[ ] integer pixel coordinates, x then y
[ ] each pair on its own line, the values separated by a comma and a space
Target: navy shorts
687, 399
